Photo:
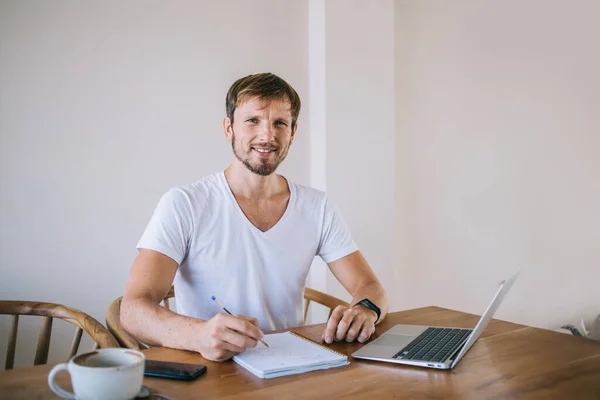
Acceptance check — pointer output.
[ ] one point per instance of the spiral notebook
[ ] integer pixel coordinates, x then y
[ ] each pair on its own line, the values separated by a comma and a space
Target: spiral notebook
288, 353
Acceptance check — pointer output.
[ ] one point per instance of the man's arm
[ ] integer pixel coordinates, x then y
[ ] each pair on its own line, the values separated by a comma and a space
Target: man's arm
150, 279
351, 323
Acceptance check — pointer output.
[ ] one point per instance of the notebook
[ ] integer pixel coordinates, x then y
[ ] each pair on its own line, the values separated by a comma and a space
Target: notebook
288, 354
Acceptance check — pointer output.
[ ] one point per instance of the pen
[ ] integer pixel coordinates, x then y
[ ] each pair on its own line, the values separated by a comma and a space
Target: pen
230, 313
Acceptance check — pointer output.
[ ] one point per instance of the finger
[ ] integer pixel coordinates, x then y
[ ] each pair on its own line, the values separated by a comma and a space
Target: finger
253, 321
345, 323
218, 355
368, 324
223, 351
242, 326
332, 323
238, 342
354, 329
368, 329
225, 344
218, 349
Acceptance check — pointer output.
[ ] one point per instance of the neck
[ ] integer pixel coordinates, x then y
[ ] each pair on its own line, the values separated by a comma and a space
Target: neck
252, 186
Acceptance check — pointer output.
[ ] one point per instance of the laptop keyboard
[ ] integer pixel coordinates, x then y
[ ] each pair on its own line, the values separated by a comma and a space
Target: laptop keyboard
435, 344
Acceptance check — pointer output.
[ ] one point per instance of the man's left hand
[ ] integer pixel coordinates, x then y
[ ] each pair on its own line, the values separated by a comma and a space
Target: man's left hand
350, 324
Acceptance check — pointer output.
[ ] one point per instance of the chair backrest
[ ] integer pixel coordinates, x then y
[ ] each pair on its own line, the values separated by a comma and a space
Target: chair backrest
321, 298
113, 314
113, 323
99, 334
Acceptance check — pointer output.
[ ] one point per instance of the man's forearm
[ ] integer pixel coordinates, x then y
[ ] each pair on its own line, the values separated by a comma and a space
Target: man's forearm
376, 294
155, 325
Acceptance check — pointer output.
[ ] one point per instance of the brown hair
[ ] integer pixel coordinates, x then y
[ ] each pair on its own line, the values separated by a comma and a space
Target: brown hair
265, 86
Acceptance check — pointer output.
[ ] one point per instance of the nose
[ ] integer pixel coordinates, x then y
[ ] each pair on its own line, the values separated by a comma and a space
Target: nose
266, 133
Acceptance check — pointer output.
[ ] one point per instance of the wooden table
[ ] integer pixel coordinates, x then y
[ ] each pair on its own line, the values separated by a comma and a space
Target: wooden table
509, 361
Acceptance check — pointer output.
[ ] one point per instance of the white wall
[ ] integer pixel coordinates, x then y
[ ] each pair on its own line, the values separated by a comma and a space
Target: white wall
103, 107
317, 67
351, 75
457, 138
360, 133
498, 168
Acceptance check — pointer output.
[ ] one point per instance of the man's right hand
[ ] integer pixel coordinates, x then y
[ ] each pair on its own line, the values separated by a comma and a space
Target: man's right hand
224, 336
150, 279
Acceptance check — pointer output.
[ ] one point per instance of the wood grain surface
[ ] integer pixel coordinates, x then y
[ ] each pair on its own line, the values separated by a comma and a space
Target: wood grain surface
509, 361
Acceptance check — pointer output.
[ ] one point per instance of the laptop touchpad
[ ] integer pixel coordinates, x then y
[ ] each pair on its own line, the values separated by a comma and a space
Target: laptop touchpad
394, 340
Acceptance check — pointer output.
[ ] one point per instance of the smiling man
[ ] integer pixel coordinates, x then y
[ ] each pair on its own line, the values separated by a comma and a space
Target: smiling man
247, 236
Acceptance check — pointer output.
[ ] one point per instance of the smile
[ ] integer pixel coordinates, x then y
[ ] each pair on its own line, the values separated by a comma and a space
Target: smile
263, 152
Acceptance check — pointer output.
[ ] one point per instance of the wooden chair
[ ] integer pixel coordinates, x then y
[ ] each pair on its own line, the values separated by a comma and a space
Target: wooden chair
83, 321
321, 298
113, 320
113, 323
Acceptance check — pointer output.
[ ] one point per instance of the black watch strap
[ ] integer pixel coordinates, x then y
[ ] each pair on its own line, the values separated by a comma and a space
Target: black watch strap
369, 304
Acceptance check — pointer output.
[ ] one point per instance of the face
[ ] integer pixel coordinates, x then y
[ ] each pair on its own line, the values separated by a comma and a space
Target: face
261, 134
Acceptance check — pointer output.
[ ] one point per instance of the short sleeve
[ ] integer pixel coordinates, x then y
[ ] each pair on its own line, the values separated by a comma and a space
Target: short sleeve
336, 241
169, 229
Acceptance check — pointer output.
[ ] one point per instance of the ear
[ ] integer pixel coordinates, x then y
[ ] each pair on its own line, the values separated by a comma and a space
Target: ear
227, 128
293, 133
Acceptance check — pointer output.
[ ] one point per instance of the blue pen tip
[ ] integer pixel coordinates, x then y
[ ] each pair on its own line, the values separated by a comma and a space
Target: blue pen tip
214, 298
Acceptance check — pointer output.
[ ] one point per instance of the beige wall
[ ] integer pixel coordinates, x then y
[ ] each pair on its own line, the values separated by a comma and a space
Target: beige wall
498, 139
459, 147
103, 107
360, 134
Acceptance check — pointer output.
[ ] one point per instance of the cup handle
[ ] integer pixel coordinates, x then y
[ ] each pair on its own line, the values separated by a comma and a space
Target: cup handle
55, 388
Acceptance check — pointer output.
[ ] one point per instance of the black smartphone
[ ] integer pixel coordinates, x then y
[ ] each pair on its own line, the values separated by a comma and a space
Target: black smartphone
173, 370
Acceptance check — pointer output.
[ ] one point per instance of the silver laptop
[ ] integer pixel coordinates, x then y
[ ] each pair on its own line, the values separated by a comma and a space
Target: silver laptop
430, 346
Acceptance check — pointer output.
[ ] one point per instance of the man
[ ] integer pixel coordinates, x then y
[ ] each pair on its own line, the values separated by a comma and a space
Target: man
247, 236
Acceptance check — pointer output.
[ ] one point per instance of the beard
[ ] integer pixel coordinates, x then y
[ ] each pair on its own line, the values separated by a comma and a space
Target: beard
263, 167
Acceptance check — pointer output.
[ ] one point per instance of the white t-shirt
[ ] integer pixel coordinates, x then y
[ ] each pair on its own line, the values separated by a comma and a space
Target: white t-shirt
221, 253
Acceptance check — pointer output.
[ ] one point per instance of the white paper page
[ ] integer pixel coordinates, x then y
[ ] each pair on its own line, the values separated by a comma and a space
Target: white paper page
286, 351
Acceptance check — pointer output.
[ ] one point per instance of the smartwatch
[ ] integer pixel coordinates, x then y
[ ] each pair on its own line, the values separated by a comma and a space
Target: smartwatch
369, 304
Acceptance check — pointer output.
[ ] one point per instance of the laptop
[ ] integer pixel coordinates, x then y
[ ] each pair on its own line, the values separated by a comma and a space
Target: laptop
430, 346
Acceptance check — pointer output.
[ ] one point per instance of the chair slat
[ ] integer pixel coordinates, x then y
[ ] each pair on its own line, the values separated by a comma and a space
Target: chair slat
306, 305
322, 298
83, 322
12, 342
41, 354
76, 342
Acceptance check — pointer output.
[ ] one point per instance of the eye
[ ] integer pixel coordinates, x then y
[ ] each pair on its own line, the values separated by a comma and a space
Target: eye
252, 120
280, 123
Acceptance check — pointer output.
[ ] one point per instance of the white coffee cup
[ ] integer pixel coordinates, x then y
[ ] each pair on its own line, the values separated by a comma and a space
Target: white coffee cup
104, 374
